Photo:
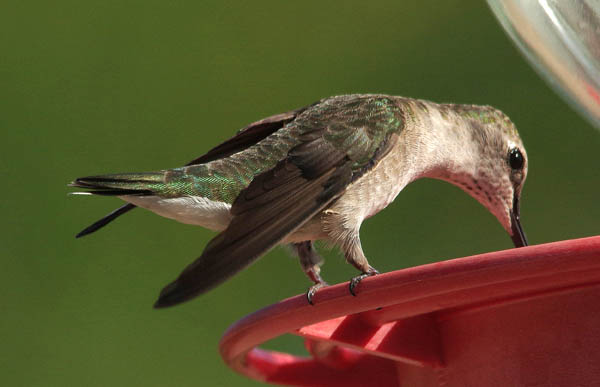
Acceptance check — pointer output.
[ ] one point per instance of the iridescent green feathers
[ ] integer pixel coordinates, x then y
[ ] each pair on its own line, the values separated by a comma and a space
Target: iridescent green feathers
326, 148
275, 184
354, 126
245, 138
263, 185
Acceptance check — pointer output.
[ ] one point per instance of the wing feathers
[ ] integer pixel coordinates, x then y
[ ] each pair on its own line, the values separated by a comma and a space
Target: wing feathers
269, 185
316, 157
278, 202
258, 225
248, 136
245, 138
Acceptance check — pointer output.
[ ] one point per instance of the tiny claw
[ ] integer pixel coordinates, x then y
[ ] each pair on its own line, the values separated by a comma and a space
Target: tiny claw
310, 294
356, 280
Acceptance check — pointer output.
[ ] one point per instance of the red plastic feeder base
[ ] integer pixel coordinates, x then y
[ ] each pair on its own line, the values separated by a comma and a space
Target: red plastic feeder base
519, 317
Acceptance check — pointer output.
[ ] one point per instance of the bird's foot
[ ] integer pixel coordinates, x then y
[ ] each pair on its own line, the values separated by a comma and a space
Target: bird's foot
310, 294
356, 280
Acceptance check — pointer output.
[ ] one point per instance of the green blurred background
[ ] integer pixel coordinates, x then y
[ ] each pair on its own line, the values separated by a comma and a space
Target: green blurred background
109, 86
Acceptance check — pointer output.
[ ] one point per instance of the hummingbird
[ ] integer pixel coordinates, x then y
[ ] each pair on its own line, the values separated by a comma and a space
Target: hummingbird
316, 173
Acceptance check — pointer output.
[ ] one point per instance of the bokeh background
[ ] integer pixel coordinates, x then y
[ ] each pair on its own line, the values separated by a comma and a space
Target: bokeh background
109, 86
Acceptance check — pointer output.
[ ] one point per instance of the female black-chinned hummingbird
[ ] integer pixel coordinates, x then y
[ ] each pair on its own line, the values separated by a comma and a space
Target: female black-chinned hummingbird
316, 173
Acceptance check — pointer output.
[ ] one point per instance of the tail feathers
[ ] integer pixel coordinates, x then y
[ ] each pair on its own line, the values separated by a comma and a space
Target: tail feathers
138, 184
106, 220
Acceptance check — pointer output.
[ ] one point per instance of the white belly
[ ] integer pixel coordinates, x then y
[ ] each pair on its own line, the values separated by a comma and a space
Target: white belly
188, 209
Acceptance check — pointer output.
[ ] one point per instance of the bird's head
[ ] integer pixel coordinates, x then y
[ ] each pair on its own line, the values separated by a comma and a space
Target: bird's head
494, 166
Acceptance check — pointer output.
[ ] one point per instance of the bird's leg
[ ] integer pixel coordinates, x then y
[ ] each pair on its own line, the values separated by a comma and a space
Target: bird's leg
311, 264
354, 255
343, 230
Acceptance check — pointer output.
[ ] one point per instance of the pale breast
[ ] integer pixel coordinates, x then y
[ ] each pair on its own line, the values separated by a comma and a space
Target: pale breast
377, 188
365, 197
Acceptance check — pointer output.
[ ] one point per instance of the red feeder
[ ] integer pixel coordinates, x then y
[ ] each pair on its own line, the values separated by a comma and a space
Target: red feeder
519, 317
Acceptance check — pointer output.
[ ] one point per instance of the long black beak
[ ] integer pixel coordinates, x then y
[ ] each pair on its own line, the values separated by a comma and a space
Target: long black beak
518, 235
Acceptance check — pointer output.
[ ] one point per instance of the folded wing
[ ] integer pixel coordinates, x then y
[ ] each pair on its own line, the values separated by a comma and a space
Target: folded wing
245, 138
329, 157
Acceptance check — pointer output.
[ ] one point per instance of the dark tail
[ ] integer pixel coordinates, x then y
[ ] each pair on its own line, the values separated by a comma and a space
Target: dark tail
106, 220
138, 184
117, 185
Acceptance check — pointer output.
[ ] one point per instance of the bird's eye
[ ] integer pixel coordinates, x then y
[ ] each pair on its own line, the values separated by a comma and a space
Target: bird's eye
515, 159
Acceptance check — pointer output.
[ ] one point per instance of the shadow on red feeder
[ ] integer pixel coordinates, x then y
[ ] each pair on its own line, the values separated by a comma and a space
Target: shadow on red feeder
528, 316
